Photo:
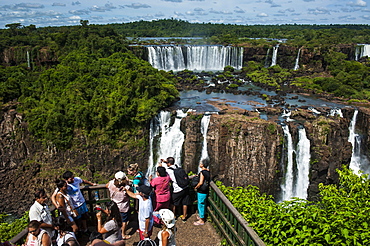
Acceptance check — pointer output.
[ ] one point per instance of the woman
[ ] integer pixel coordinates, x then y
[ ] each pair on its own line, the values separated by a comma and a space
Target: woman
37, 236
111, 230
64, 234
120, 197
202, 189
139, 177
64, 204
167, 235
161, 185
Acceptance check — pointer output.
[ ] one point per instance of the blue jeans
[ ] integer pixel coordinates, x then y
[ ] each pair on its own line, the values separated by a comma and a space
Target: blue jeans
202, 198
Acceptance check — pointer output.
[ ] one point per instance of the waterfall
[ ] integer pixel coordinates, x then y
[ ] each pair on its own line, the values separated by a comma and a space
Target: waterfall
296, 178
359, 161
287, 186
170, 141
204, 129
362, 50
336, 111
274, 55
296, 66
28, 60
267, 56
200, 58
303, 157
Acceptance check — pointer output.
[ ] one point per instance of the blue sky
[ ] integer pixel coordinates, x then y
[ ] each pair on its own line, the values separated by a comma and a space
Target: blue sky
246, 12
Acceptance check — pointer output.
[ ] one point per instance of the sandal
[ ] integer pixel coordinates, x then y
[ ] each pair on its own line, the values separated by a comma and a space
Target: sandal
198, 223
126, 237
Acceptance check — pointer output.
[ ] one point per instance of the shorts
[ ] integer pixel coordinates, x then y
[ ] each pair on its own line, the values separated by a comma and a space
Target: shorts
181, 198
81, 210
125, 216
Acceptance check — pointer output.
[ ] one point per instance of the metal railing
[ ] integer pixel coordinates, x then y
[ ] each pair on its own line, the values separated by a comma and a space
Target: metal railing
229, 222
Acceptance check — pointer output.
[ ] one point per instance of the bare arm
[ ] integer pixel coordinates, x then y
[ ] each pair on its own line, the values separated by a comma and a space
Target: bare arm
88, 182
201, 181
101, 229
46, 241
53, 199
130, 193
165, 236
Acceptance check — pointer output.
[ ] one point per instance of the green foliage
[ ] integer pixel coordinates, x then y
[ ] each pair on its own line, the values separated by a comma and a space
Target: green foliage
339, 218
8, 230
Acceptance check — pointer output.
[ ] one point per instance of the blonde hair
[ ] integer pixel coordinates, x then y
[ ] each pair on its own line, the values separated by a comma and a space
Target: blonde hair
133, 167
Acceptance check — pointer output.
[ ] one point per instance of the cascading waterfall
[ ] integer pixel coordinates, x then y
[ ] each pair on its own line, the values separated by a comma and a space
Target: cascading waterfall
274, 55
267, 56
362, 50
198, 58
359, 161
287, 186
296, 66
336, 111
204, 129
170, 141
303, 157
296, 179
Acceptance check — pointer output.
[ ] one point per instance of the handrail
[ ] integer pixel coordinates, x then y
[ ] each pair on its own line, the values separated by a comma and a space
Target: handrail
229, 222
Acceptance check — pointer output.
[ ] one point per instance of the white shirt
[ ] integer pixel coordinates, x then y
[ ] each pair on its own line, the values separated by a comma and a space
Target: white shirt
145, 211
75, 193
42, 214
176, 187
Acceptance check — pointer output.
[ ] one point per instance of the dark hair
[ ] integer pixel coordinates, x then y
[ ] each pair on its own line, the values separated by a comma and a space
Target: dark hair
171, 160
119, 183
205, 163
39, 193
114, 212
34, 224
162, 171
67, 175
61, 222
60, 183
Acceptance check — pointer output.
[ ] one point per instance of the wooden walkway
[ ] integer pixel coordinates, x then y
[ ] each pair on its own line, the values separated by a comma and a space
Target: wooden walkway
187, 234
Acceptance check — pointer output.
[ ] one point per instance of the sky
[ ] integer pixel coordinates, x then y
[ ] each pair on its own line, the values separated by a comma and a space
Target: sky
244, 12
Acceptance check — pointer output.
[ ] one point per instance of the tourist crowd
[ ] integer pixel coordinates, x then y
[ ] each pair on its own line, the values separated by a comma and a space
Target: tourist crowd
160, 200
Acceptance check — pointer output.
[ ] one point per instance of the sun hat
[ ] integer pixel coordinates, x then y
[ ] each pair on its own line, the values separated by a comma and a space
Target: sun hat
120, 175
167, 217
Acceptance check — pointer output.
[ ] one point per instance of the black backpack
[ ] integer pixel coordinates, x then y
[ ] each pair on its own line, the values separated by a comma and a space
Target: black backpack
182, 178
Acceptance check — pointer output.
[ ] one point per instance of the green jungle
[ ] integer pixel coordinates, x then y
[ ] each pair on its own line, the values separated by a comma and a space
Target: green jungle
94, 86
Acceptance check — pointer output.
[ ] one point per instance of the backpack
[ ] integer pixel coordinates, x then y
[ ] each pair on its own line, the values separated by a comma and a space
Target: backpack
182, 178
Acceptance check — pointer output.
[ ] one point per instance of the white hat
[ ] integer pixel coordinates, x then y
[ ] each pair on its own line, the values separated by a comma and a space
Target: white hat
167, 217
120, 175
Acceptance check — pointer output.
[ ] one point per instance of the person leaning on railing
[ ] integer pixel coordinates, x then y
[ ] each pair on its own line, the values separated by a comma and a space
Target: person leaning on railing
37, 236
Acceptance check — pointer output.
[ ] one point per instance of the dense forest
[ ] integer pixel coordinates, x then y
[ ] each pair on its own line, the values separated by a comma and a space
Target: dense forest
84, 79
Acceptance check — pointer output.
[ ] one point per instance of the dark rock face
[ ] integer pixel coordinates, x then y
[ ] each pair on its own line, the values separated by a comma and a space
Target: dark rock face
243, 150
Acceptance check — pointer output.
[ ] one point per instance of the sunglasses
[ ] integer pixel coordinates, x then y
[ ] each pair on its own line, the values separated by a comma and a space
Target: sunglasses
32, 231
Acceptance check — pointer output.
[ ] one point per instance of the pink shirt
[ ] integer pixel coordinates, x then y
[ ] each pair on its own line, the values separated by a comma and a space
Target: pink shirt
119, 197
162, 188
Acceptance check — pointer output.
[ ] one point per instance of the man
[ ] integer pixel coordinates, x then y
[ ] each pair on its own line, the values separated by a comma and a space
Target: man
40, 212
180, 196
145, 216
77, 198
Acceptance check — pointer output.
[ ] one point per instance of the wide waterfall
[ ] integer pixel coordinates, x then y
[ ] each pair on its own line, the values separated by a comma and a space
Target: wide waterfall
274, 55
195, 58
296, 65
166, 139
362, 50
296, 179
359, 161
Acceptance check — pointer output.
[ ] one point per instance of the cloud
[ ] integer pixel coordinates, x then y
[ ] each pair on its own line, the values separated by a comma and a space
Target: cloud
358, 3
175, 1
189, 13
30, 5
76, 3
198, 9
239, 10
318, 11
262, 15
365, 17
106, 7
309, 0
275, 5
79, 12
224, 12
138, 6
197, 0
59, 4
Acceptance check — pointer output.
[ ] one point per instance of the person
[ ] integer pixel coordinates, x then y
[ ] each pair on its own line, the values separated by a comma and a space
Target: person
180, 196
121, 198
65, 236
64, 204
167, 235
133, 170
40, 211
161, 186
145, 210
78, 199
37, 236
111, 230
202, 189
96, 239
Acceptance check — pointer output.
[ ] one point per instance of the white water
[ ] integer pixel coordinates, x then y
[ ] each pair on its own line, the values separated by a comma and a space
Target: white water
303, 157
336, 111
274, 55
204, 129
362, 50
267, 56
296, 65
171, 139
287, 185
195, 58
359, 161
296, 182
